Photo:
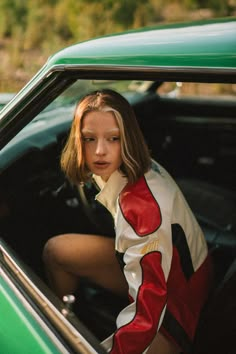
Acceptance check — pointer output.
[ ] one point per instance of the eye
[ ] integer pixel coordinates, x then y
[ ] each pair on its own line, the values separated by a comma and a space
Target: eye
114, 138
87, 139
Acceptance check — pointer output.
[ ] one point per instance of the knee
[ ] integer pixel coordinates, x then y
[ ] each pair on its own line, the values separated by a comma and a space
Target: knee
53, 251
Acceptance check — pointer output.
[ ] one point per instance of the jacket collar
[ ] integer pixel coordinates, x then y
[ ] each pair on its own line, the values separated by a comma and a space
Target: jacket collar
110, 190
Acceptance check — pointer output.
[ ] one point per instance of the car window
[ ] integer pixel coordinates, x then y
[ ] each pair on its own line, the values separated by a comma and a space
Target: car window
131, 87
72, 94
195, 89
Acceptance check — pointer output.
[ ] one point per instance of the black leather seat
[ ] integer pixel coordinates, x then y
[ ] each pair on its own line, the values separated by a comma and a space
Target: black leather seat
216, 333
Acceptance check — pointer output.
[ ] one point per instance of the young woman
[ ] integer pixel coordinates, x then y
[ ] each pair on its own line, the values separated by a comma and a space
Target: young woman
159, 245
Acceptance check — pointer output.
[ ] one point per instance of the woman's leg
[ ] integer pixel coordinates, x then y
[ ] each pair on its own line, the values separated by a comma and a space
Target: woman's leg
161, 345
71, 256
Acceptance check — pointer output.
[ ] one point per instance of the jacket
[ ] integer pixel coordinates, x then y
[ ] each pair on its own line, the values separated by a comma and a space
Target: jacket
164, 256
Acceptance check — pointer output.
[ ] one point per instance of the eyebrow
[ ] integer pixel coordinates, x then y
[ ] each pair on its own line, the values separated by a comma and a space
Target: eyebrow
115, 130
86, 131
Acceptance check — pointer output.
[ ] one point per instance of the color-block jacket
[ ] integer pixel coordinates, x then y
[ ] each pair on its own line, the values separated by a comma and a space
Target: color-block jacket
164, 257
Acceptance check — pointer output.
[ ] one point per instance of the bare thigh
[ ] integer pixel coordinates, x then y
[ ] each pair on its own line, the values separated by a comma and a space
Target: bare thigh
161, 345
88, 256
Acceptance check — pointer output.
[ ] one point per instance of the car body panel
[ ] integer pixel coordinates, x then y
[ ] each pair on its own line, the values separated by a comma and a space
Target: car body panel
185, 46
35, 316
26, 334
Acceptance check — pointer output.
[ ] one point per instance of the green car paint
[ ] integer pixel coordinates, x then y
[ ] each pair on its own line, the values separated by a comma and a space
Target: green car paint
188, 45
20, 332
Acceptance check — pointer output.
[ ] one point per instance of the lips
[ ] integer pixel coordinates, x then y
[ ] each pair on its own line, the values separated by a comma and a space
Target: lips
101, 164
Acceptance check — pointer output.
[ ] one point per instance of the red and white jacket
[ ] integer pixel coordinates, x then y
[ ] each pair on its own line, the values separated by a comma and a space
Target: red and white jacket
165, 261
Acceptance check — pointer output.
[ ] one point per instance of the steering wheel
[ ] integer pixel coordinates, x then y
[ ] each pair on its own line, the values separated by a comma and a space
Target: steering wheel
97, 214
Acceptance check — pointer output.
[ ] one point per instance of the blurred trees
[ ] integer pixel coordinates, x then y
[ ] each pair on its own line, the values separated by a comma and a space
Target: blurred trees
69, 20
37, 28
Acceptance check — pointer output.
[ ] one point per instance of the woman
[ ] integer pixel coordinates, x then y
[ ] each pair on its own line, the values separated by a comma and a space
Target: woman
159, 244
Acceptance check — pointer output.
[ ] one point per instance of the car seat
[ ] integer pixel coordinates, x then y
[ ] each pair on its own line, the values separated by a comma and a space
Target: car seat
216, 332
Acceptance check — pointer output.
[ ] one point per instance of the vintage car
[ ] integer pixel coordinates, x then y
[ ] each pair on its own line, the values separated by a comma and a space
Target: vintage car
181, 81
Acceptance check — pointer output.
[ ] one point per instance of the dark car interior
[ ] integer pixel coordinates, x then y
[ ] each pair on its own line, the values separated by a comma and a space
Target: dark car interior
193, 138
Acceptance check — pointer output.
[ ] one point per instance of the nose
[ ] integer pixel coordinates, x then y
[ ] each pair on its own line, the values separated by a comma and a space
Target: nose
101, 147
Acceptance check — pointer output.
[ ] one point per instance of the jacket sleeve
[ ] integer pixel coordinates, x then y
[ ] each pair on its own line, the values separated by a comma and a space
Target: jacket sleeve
147, 258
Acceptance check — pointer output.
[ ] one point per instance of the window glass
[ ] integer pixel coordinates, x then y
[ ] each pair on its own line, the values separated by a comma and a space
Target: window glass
193, 89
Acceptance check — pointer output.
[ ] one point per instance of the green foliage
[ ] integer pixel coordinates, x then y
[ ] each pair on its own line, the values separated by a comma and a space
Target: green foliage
12, 14
70, 20
39, 20
31, 30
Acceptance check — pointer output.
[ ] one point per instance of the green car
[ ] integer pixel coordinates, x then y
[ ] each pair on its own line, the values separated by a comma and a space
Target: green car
181, 81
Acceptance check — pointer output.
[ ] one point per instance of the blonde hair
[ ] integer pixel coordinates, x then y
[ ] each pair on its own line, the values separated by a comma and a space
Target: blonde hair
134, 152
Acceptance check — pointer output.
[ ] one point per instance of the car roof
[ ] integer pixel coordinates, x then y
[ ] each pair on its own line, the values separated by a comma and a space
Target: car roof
210, 44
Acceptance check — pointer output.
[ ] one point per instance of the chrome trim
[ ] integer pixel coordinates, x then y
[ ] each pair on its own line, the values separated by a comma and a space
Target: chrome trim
32, 312
24, 92
143, 69
76, 340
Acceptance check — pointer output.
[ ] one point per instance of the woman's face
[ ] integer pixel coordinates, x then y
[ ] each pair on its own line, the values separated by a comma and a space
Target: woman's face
101, 141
